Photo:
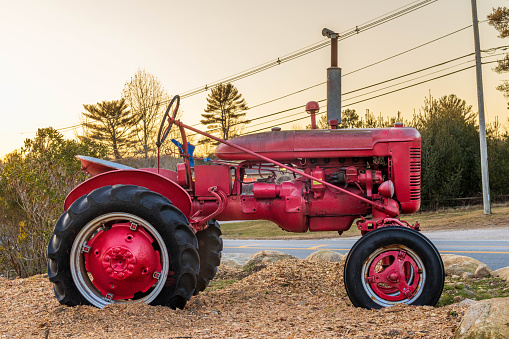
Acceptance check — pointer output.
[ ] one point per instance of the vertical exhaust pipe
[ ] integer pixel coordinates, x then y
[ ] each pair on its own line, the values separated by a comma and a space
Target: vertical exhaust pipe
333, 82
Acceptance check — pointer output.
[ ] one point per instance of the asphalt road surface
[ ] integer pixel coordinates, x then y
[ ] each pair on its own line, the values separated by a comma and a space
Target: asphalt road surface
490, 246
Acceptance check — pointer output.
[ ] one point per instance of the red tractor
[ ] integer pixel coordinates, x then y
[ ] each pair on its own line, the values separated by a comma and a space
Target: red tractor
152, 236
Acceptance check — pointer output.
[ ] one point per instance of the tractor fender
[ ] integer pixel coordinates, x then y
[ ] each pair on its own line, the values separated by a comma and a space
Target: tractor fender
153, 181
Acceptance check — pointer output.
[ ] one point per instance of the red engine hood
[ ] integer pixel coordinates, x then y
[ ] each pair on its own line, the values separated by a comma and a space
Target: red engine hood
286, 145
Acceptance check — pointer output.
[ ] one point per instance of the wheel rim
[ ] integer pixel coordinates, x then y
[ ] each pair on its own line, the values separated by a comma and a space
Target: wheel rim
393, 274
120, 258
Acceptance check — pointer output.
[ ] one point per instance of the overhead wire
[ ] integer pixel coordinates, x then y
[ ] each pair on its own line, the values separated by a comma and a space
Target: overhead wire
392, 15
388, 80
346, 93
380, 83
373, 97
314, 47
364, 67
344, 35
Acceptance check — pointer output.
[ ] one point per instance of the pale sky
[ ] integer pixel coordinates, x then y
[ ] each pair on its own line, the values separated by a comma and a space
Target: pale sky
57, 55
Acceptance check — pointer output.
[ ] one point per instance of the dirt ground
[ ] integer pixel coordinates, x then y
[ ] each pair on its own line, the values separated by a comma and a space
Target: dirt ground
287, 299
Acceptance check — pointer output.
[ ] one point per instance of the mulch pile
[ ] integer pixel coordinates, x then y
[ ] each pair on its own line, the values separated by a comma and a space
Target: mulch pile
287, 299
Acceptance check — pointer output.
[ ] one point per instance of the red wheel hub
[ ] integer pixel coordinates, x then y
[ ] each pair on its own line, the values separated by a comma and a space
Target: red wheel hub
394, 276
122, 261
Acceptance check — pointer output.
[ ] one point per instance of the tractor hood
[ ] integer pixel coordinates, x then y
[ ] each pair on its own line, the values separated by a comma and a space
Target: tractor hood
319, 143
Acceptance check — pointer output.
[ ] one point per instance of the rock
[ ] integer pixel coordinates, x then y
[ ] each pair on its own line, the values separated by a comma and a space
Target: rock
235, 259
458, 264
271, 256
466, 302
485, 319
502, 273
265, 256
467, 275
483, 271
325, 255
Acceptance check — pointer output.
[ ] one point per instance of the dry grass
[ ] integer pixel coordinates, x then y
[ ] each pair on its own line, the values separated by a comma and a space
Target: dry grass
464, 218
453, 218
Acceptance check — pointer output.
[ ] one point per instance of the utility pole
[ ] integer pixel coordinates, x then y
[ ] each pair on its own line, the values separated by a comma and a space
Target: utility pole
482, 123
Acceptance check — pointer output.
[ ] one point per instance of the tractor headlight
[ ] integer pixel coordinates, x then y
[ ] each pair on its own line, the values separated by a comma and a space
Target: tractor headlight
386, 189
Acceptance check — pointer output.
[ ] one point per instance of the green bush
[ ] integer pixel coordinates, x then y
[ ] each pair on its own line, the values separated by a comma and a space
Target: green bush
33, 184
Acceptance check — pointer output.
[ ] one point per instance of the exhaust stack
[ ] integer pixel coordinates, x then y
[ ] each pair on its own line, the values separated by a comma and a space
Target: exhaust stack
333, 82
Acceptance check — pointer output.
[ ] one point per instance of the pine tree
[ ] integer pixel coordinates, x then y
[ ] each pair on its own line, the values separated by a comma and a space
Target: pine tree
499, 19
109, 122
450, 150
225, 111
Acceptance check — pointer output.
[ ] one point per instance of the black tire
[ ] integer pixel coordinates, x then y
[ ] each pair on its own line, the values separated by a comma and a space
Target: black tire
210, 246
166, 225
420, 277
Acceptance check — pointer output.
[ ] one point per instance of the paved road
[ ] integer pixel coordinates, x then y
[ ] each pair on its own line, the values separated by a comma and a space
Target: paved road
488, 246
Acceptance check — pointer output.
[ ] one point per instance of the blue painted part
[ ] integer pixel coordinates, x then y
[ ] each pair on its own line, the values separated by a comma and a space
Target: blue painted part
190, 149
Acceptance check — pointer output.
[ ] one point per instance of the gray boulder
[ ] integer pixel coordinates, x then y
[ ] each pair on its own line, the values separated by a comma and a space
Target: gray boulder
266, 256
483, 271
502, 273
271, 256
325, 255
485, 319
235, 259
458, 265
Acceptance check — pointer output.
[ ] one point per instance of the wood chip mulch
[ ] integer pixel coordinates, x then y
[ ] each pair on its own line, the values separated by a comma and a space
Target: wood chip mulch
287, 299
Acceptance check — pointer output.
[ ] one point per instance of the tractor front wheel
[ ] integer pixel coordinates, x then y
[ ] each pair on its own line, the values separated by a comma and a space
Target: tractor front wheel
393, 265
123, 244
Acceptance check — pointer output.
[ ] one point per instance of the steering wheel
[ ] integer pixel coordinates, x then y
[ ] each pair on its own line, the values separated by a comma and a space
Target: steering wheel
160, 139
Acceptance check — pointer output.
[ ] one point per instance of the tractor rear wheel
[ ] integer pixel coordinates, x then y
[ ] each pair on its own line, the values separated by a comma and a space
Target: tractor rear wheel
393, 265
210, 246
123, 244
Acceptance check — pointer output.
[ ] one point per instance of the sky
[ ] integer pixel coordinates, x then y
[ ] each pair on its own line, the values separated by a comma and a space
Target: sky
57, 55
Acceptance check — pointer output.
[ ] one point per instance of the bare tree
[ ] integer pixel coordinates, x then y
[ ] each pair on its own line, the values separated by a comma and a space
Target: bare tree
147, 100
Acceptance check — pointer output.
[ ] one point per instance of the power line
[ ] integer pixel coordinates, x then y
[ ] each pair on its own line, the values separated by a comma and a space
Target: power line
403, 82
421, 70
300, 106
373, 97
61, 129
367, 66
360, 101
382, 82
409, 86
411, 73
492, 50
345, 35
411, 49
413, 6
493, 55
379, 83
312, 48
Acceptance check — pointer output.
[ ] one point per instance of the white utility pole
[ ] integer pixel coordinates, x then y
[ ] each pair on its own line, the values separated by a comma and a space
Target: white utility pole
482, 123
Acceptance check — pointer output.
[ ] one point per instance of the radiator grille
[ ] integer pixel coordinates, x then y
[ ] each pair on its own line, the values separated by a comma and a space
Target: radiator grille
415, 173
